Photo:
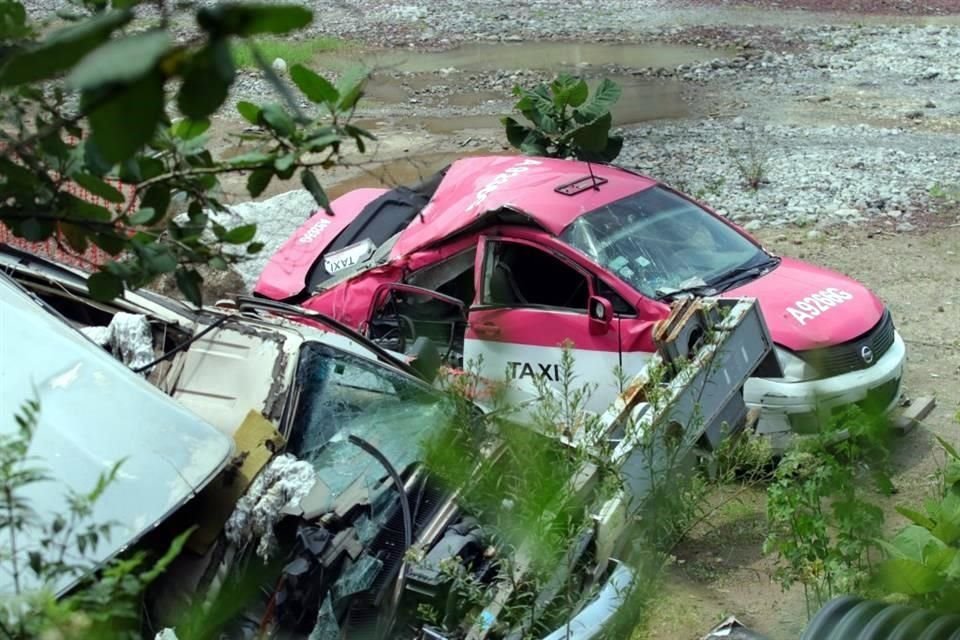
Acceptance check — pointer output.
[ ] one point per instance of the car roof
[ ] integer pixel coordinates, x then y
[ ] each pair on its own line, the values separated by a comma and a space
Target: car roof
473, 187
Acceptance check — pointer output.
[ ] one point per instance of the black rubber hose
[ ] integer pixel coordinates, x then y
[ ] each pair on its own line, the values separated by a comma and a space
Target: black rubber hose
183, 345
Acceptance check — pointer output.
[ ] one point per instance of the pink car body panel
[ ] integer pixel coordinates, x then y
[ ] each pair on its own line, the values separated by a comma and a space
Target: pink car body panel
285, 273
805, 306
474, 186
824, 319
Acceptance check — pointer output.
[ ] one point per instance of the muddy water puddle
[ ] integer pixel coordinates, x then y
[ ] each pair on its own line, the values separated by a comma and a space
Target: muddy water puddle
525, 55
641, 100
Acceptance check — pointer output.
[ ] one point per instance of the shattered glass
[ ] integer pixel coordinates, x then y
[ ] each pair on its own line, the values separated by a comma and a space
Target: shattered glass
327, 627
343, 395
358, 577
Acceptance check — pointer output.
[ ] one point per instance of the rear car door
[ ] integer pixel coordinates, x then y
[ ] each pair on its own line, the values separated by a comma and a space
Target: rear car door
530, 301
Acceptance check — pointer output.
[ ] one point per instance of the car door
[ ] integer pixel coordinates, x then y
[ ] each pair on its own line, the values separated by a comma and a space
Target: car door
530, 301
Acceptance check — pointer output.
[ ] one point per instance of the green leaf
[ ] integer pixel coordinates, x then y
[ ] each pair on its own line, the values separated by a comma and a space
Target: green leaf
275, 117
258, 180
13, 20
75, 235
284, 162
569, 91
604, 97
145, 216
218, 263
917, 517
35, 230
128, 118
592, 136
236, 19
98, 187
188, 281
516, 132
908, 576
251, 159
315, 87
240, 235
207, 80
249, 111
915, 542
61, 49
104, 286
120, 60
949, 448
321, 142
109, 242
255, 247
157, 258
311, 184
350, 87
156, 197
188, 129
78, 208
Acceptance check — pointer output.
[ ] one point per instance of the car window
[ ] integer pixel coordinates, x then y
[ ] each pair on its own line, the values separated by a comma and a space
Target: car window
340, 395
658, 241
518, 275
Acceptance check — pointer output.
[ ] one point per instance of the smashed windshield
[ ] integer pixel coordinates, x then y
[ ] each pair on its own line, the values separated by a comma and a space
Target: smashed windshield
659, 242
342, 395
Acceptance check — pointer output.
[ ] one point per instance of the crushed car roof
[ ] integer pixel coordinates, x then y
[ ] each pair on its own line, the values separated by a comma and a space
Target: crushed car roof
474, 186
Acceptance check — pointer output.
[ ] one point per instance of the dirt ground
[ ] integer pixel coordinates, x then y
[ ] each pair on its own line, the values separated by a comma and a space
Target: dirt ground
721, 570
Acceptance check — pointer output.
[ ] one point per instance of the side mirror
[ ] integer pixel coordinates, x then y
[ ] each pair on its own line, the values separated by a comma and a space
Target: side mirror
601, 314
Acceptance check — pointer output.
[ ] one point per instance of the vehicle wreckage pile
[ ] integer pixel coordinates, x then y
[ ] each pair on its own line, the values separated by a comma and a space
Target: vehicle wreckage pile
340, 490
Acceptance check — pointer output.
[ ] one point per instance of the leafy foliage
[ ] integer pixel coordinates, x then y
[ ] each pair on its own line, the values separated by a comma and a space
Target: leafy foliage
822, 528
566, 120
84, 108
923, 563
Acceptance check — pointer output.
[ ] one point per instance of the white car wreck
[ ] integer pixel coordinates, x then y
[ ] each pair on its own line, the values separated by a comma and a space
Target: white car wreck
300, 455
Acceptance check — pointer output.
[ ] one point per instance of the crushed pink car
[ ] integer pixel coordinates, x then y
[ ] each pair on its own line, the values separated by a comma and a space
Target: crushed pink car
500, 260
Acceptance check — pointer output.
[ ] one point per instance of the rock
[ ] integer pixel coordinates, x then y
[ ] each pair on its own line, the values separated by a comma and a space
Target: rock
913, 115
279, 65
930, 104
739, 123
813, 234
753, 225
905, 226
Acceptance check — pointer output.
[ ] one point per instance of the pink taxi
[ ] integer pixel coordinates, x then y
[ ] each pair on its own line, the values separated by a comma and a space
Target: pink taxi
498, 261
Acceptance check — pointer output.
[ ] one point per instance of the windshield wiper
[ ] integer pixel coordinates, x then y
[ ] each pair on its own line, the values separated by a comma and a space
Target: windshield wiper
696, 290
727, 280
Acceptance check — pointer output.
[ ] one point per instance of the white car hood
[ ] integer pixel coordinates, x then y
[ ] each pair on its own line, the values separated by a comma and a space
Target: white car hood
95, 412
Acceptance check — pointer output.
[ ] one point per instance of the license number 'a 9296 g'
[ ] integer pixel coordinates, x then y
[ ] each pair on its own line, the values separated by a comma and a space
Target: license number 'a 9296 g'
817, 303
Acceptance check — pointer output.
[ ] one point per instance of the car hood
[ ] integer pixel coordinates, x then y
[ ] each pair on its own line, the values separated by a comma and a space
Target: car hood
807, 307
95, 413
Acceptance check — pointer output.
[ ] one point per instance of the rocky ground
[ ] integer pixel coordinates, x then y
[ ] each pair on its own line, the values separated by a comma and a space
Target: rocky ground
815, 121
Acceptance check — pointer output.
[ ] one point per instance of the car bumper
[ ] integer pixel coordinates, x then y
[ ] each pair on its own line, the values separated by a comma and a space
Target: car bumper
592, 620
802, 407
